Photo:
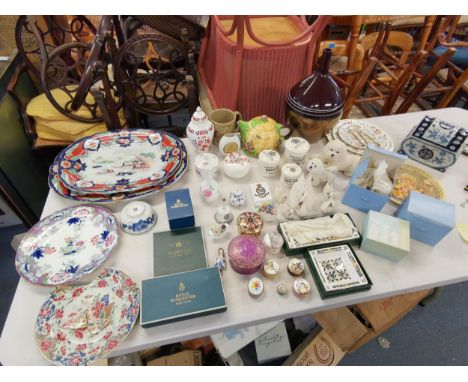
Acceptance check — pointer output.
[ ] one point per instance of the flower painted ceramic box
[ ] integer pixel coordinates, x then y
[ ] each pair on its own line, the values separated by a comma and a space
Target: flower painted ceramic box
386, 236
179, 209
363, 199
431, 219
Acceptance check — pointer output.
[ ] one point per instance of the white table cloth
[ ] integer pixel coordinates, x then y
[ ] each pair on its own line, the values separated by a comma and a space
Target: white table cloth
425, 267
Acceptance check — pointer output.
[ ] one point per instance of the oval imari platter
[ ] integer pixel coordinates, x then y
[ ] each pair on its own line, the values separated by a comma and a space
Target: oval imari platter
411, 178
123, 161
67, 245
80, 325
57, 185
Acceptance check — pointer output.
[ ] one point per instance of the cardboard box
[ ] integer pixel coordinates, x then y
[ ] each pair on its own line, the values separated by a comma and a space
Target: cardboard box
352, 327
361, 198
431, 219
183, 358
179, 209
318, 349
273, 344
386, 236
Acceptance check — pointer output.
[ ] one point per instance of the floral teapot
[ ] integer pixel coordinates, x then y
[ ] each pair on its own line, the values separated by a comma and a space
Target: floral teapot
200, 131
261, 133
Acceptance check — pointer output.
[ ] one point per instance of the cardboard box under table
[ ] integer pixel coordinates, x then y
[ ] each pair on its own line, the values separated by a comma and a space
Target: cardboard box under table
361, 198
430, 219
386, 236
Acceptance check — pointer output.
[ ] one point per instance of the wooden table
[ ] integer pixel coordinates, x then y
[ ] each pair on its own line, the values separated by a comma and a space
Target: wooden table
426, 267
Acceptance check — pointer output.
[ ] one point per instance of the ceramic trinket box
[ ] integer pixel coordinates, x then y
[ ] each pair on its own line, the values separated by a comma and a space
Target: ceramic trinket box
137, 217
249, 223
207, 165
236, 165
237, 198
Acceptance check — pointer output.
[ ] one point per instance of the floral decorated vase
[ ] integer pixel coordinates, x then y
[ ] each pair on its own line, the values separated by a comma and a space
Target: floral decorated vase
260, 133
200, 131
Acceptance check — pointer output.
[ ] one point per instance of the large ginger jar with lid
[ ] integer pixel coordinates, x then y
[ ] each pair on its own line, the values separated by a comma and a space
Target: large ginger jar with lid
200, 131
260, 133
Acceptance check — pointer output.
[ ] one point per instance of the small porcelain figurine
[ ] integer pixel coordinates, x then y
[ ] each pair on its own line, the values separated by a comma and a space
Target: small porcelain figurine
223, 214
220, 261
200, 131
335, 153
237, 198
137, 217
209, 190
317, 172
229, 143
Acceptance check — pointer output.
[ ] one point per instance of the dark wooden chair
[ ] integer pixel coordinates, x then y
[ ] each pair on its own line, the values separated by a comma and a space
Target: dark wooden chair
154, 75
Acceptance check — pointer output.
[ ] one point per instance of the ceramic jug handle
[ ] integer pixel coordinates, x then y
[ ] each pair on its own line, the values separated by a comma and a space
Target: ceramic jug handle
238, 118
286, 131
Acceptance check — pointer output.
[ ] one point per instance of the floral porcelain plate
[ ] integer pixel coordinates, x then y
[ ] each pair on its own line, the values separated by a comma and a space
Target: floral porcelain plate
56, 184
67, 245
411, 178
80, 325
358, 134
124, 161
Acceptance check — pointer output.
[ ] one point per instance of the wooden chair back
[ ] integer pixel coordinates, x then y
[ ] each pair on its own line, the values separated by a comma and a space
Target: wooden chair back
401, 40
340, 49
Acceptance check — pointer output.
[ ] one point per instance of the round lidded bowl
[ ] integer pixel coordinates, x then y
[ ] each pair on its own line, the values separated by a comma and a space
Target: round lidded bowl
246, 254
315, 104
249, 223
137, 217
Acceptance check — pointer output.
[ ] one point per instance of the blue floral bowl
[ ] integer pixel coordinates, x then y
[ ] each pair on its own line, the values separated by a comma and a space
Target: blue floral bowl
137, 217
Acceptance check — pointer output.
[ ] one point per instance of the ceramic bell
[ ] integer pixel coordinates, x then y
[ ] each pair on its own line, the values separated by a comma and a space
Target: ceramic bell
209, 190
200, 131
223, 214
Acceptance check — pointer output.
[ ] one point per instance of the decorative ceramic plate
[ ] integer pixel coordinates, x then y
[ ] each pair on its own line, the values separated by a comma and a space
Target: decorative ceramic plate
67, 245
80, 325
124, 161
410, 178
56, 184
357, 134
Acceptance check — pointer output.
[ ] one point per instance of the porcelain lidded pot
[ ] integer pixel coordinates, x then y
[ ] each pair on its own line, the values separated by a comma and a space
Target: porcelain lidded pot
137, 217
207, 165
236, 165
200, 131
315, 104
261, 133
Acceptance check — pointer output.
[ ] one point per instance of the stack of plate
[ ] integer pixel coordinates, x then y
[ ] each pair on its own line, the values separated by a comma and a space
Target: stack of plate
357, 134
118, 165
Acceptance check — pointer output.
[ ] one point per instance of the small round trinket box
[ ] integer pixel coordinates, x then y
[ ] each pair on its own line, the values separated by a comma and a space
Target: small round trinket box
296, 266
218, 231
207, 164
237, 198
301, 287
296, 150
255, 286
137, 217
290, 174
246, 254
282, 289
273, 242
271, 269
236, 165
249, 223
223, 214
268, 163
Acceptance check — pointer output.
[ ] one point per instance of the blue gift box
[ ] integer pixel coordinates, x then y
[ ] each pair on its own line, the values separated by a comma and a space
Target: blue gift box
179, 209
361, 198
431, 219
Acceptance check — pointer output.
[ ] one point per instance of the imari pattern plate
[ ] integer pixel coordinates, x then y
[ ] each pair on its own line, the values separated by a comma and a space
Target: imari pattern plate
411, 178
358, 134
124, 161
67, 245
57, 185
337, 270
77, 326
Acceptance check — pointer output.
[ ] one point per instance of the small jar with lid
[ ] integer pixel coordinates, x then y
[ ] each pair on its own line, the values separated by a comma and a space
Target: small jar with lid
249, 223
271, 269
273, 242
268, 163
290, 174
296, 150
246, 254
